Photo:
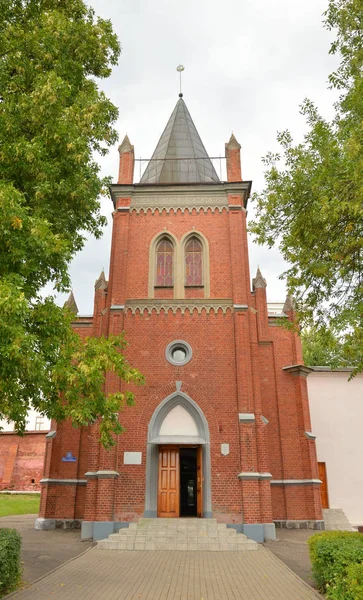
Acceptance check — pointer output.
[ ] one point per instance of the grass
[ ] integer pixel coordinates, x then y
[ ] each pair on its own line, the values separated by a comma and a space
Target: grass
19, 504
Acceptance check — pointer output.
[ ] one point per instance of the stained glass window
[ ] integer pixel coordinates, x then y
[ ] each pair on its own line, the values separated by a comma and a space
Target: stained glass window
164, 263
193, 262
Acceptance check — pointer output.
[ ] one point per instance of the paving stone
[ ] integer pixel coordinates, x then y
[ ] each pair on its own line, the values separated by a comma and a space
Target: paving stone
190, 575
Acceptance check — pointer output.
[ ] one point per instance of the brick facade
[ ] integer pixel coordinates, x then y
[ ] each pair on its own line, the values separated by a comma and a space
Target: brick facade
237, 367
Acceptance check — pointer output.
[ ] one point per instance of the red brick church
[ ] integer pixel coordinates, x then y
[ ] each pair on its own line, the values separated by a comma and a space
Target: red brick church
222, 427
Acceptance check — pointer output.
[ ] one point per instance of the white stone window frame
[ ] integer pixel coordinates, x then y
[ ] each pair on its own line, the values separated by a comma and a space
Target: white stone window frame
39, 423
173, 346
179, 262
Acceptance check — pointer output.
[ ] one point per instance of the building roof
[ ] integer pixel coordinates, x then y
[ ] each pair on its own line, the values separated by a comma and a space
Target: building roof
180, 156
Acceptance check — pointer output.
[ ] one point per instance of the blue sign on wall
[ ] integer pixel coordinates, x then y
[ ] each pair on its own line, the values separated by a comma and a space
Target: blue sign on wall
69, 457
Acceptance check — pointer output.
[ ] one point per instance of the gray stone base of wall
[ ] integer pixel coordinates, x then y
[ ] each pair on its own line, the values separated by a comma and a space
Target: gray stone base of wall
259, 532
303, 524
100, 530
46, 524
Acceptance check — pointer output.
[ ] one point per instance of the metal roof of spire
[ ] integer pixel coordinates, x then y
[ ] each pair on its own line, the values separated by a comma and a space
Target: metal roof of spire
180, 156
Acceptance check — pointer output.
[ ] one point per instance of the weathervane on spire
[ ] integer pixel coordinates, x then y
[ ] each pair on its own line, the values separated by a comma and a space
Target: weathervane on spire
180, 69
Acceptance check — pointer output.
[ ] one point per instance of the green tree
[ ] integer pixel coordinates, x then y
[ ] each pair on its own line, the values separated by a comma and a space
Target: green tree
312, 204
53, 118
322, 347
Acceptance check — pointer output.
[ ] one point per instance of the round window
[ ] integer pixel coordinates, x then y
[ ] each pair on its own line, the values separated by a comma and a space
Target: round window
178, 353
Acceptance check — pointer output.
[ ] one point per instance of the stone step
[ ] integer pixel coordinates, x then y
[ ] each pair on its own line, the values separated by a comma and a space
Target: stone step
335, 519
217, 533
182, 546
178, 534
172, 525
336, 516
239, 539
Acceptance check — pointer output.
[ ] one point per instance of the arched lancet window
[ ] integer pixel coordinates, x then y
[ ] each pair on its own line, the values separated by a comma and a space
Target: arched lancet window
193, 262
164, 263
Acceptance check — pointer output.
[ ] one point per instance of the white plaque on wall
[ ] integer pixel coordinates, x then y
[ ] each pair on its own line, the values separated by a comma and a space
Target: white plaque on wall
132, 458
224, 449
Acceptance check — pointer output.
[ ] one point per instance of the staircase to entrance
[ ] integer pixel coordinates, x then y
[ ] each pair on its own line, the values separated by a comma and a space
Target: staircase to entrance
335, 519
178, 534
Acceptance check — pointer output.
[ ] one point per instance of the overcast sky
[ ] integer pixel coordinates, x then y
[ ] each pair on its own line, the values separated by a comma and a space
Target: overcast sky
248, 66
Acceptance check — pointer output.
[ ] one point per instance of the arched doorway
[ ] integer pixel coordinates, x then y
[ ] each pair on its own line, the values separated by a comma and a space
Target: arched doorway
178, 434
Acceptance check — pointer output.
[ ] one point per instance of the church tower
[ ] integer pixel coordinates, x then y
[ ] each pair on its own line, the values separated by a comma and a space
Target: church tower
221, 428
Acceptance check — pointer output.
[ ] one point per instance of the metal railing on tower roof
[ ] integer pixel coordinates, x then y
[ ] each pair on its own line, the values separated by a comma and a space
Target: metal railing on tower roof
180, 170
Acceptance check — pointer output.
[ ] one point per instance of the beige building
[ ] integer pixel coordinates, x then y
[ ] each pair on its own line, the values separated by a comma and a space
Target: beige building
336, 409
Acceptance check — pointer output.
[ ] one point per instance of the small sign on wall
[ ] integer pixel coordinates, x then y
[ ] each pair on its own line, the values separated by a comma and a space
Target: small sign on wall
69, 457
224, 449
132, 458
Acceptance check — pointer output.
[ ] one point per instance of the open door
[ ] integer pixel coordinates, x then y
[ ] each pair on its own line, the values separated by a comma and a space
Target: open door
169, 482
200, 480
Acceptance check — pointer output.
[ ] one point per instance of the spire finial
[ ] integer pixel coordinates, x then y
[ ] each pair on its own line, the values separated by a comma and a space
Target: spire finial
71, 304
180, 69
259, 281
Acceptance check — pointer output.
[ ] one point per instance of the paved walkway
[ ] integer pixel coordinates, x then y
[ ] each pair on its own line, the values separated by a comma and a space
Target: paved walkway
43, 551
292, 548
120, 575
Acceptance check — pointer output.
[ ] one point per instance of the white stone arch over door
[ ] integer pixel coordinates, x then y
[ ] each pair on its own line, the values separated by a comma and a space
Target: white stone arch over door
163, 429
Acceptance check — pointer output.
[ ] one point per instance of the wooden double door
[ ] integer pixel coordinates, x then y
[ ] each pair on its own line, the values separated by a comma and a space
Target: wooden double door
180, 481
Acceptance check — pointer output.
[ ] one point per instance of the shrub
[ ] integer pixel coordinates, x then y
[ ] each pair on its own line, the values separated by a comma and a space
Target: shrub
336, 558
355, 581
10, 570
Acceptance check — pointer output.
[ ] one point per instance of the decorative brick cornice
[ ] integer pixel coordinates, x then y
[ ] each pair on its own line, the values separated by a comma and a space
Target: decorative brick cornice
182, 202
174, 305
182, 196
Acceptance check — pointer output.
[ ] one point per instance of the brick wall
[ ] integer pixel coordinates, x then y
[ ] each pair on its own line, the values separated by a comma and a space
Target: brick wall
21, 460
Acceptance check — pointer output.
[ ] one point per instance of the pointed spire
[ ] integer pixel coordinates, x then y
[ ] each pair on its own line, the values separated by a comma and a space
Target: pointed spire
233, 144
233, 156
125, 145
71, 304
101, 283
259, 281
180, 156
289, 305
127, 161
